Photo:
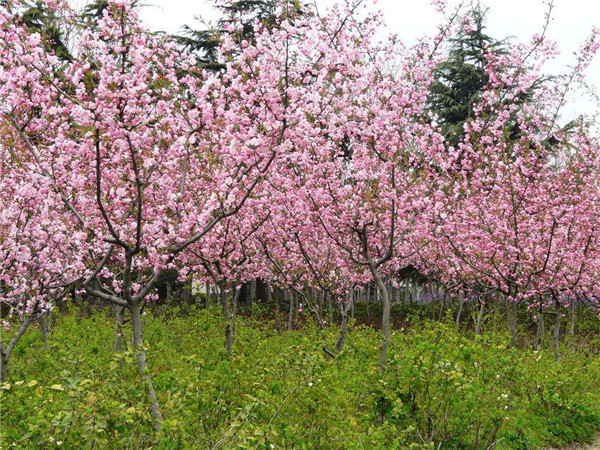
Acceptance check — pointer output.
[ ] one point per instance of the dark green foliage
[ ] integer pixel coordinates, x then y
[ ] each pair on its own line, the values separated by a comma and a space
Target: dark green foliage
461, 77
443, 388
40, 19
93, 12
204, 42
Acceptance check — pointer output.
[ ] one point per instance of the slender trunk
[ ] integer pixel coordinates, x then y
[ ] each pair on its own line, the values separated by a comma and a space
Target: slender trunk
228, 319
460, 307
169, 291
208, 295
556, 334
443, 306
215, 292
119, 319
480, 316
385, 318
269, 296
367, 300
319, 298
138, 346
344, 325
341, 341
5, 352
429, 294
541, 331
3, 366
572, 312
330, 307
252, 296
44, 328
511, 314
236, 297
277, 309
290, 298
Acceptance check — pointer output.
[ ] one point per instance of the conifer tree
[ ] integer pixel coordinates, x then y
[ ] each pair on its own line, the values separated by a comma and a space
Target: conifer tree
461, 77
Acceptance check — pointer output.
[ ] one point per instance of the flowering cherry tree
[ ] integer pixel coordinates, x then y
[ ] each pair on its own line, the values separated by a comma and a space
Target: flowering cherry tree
146, 153
517, 211
308, 159
39, 255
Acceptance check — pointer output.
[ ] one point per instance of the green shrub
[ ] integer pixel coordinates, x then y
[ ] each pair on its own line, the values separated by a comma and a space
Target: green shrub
443, 388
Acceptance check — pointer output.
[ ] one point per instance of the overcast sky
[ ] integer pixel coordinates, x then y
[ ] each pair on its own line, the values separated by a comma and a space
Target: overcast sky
410, 19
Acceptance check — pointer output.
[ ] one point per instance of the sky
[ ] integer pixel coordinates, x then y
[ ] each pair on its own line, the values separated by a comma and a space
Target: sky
572, 22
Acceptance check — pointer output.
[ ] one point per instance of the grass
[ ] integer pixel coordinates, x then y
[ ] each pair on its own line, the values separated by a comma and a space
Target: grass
444, 387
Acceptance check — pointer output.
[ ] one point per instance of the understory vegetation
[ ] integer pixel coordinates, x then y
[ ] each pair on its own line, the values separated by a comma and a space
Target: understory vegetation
444, 386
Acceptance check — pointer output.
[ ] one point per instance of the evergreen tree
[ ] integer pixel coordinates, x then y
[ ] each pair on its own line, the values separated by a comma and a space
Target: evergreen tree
460, 79
204, 42
40, 19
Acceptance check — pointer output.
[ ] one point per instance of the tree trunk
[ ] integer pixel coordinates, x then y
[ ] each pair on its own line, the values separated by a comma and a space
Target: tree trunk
443, 306
270, 297
541, 330
290, 298
228, 319
344, 325
252, 296
119, 319
572, 311
460, 307
385, 318
368, 300
511, 313
330, 307
44, 328
236, 297
3, 366
480, 316
5, 352
556, 334
140, 352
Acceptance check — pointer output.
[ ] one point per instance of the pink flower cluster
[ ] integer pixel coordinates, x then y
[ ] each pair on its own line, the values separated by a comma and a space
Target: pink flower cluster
309, 160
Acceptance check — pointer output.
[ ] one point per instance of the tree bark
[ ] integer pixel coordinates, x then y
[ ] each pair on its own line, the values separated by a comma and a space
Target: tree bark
541, 330
140, 352
511, 313
119, 319
329, 307
236, 297
460, 307
341, 341
443, 304
229, 316
385, 318
368, 300
252, 296
3, 366
289, 295
5, 352
480, 316
44, 327
572, 311
556, 334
